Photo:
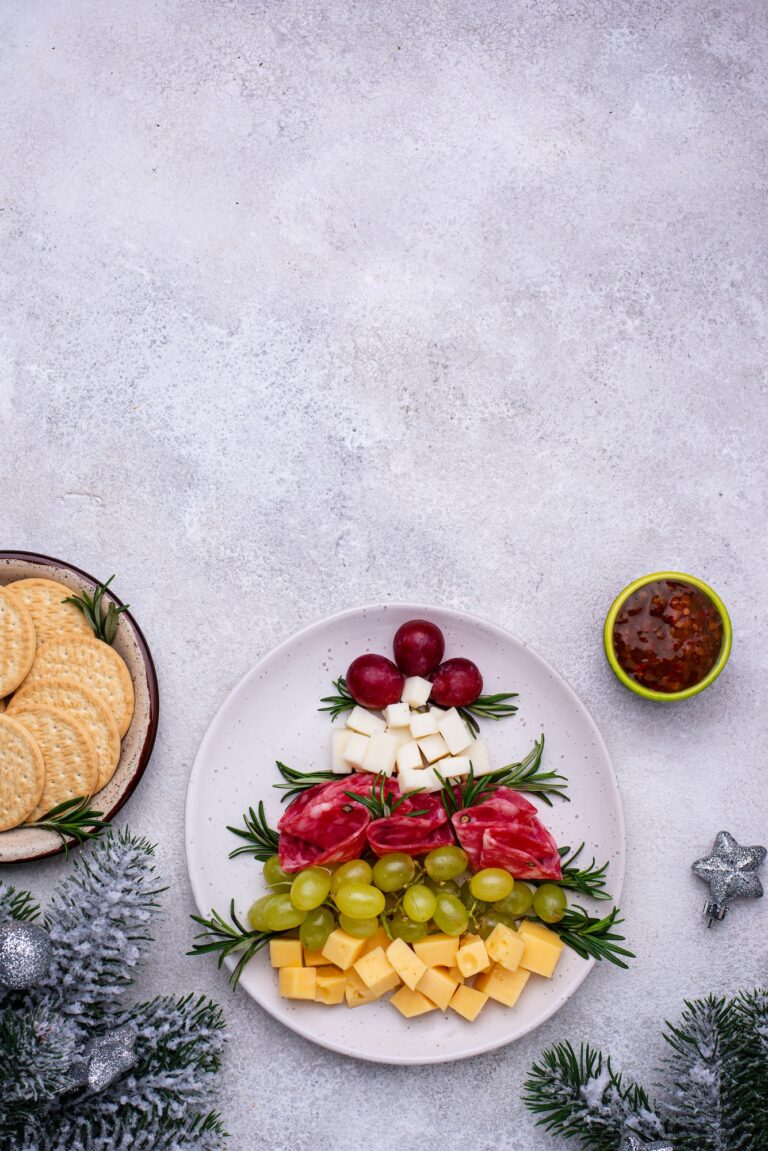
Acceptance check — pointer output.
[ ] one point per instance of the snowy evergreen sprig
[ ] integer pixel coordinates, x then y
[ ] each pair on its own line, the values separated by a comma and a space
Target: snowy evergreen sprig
100, 923
714, 1096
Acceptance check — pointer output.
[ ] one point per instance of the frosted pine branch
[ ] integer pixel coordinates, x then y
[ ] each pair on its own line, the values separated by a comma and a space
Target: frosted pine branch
748, 1067
17, 905
696, 1104
100, 921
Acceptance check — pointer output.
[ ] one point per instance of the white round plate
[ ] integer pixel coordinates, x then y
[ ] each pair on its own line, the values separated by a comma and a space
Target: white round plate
272, 714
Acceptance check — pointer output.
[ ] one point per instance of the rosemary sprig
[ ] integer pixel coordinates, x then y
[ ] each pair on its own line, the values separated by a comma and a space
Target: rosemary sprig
103, 624
522, 776
227, 938
72, 819
488, 707
298, 781
589, 936
261, 839
589, 880
339, 703
379, 804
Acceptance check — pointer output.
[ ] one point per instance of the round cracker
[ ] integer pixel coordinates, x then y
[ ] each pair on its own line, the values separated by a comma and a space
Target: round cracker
71, 763
22, 773
3, 706
75, 699
17, 642
44, 600
95, 664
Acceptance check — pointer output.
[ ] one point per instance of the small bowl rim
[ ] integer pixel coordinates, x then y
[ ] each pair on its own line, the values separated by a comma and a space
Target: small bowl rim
712, 674
153, 691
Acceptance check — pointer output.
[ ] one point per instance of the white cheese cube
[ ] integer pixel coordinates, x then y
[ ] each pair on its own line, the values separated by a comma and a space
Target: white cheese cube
354, 752
339, 740
409, 757
401, 736
437, 712
421, 778
423, 723
454, 731
454, 765
416, 691
397, 715
364, 721
433, 747
477, 752
380, 756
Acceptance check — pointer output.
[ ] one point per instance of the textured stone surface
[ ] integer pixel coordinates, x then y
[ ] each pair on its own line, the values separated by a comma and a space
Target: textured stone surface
309, 305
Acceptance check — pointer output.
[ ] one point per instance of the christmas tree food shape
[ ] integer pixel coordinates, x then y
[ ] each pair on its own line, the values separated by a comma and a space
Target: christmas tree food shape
715, 1086
167, 1051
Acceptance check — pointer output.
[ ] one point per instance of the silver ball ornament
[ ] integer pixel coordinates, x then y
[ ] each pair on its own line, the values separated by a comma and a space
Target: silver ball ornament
25, 954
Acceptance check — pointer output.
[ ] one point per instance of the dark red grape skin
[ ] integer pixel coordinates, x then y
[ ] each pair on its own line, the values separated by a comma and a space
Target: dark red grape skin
419, 646
456, 683
374, 681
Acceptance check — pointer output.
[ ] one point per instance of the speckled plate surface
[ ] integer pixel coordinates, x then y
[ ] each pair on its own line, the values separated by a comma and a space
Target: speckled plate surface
272, 714
25, 843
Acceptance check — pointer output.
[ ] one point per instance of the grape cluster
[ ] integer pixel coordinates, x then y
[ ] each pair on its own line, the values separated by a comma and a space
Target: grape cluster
410, 898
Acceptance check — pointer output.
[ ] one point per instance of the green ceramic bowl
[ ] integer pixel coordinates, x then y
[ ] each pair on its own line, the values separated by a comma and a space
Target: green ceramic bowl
646, 692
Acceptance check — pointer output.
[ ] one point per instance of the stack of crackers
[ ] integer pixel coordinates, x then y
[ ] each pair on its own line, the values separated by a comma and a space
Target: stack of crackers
66, 700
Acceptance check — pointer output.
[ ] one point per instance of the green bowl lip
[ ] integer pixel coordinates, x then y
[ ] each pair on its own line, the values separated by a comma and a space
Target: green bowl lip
712, 674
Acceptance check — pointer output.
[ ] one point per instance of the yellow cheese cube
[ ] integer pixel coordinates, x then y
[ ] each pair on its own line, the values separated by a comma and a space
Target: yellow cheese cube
502, 984
468, 938
467, 1001
355, 992
285, 953
376, 972
407, 964
455, 974
378, 939
410, 1003
542, 948
437, 950
342, 949
298, 982
471, 958
331, 984
314, 959
438, 984
505, 947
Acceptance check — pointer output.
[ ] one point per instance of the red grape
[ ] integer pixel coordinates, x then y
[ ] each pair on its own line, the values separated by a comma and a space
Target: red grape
456, 683
418, 646
374, 681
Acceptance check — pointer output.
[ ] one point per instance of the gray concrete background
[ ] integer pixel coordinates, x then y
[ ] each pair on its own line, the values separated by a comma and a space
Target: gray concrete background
314, 304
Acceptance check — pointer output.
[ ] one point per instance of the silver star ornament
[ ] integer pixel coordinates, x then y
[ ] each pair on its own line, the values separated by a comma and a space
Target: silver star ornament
104, 1060
632, 1142
731, 871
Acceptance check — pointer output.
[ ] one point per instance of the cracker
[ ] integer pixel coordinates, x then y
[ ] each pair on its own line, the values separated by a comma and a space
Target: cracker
3, 706
71, 764
17, 642
95, 664
22, 773
79, 701
53, 619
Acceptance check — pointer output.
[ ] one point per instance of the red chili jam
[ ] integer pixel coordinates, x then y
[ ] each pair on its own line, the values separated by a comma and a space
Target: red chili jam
668, 635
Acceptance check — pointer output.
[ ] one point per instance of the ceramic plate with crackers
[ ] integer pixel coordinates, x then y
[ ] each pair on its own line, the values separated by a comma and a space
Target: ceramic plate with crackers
78, 716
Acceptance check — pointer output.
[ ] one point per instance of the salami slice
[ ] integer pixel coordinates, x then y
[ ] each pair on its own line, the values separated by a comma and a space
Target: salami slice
323, 825
505, 831
415, 834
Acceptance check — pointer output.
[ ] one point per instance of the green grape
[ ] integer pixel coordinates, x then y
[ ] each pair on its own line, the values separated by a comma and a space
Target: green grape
359, 901
359, 928
355, 871
550, 902
393, 872
281, 915
274, 874
401, 927
446, 863
519, 900
451, 915
491, 884
490, 918
448, 887
316, 928
310, 888
419, 903
256, 920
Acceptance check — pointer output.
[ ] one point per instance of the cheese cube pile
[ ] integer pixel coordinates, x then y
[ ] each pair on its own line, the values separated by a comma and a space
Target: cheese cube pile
437, 973
410, 740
